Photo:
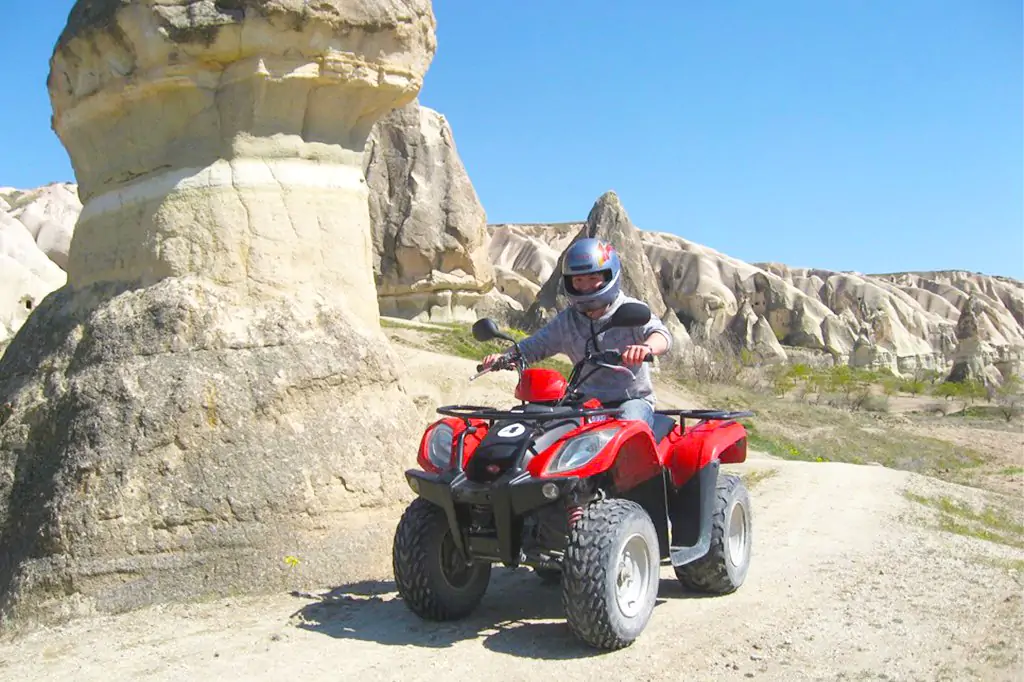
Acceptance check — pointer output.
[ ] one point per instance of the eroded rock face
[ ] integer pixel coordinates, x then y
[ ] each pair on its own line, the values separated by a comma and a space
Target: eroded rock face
904, 322
524, 256
609, 221
49, 213
753, 332
429, 229
35, 232
976, 357
210, 392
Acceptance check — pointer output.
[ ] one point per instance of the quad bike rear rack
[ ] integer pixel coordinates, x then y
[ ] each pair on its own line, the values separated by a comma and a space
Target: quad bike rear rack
705, 415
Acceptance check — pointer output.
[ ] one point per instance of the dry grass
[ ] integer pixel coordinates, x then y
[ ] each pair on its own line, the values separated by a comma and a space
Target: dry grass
993, 523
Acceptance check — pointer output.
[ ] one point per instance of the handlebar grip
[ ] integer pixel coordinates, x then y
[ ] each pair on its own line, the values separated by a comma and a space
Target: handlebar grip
480, 367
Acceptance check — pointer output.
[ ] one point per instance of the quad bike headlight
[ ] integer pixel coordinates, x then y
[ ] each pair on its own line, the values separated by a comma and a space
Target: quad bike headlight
580, 450
439, 447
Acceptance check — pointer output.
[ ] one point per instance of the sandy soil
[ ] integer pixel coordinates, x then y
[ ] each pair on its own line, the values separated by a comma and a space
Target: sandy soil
849, 580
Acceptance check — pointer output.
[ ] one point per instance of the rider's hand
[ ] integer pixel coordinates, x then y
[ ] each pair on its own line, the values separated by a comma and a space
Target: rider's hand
634, 355
490, 359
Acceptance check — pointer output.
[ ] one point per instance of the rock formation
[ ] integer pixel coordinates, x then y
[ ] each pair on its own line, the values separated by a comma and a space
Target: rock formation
976, 359
429, 229
210, 392
49, 213
903, 322
524, 256
752, 332
35, 232
608, 220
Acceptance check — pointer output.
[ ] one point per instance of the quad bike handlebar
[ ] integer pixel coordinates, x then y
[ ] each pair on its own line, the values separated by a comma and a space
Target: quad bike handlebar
606, 358
628, 314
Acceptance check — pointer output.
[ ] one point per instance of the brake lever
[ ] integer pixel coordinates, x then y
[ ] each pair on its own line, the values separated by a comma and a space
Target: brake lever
617, 368
495, 366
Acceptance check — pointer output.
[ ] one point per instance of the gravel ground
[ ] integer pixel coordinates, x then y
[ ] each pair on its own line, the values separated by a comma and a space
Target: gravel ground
849, 580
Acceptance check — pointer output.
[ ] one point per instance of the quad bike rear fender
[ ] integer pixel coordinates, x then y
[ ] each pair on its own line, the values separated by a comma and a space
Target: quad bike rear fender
691, 508
710, 441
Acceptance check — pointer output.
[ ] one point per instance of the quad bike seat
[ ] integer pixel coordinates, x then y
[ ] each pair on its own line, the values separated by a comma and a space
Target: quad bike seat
662, 426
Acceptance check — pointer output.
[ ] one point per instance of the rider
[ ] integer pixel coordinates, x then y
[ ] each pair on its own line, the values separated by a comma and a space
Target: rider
592, 274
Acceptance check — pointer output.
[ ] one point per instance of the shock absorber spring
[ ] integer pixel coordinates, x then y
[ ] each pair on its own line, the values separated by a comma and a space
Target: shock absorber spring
575, 513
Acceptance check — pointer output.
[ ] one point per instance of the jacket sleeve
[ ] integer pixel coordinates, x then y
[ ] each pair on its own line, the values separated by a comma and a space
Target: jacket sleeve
545, 342
656, 325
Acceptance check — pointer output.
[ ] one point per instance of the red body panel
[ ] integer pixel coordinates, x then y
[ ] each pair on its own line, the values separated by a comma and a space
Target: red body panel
685, 454
630, 455
538, 385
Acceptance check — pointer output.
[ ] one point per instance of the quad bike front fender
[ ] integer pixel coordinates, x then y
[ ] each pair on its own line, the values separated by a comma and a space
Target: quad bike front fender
629, 458
470, 440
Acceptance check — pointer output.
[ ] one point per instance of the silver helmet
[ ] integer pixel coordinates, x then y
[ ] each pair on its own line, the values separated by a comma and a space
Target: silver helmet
589, 256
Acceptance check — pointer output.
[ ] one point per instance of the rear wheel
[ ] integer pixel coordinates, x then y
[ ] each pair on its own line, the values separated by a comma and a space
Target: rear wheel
431, 576
610, 574
724, 568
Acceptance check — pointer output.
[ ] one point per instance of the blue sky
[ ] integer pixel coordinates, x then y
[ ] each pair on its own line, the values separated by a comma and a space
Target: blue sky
873, 136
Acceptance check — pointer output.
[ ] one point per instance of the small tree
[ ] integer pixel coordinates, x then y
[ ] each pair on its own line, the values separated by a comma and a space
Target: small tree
1010, 398
966, 392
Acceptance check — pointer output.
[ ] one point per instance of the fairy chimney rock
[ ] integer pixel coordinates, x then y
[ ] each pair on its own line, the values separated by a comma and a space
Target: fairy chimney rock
972, 359
429, 229
609, 221
211, 391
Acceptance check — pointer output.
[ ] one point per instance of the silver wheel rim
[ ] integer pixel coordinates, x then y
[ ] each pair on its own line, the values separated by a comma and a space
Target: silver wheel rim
738, 535
632, 579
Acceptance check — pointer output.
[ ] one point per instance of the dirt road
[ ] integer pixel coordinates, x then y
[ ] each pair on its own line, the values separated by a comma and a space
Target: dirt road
847, 582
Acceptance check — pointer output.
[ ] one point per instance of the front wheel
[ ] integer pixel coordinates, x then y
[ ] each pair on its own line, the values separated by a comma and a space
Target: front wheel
610, 574
431, 576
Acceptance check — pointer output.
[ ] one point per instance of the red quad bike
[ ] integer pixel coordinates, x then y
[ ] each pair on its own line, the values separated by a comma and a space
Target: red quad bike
560, 484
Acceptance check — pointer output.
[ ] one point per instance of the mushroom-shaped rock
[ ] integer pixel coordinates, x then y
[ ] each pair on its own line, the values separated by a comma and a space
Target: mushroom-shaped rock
211, 392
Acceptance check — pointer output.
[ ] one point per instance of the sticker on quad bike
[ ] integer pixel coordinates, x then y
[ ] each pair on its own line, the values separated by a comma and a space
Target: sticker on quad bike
512, 431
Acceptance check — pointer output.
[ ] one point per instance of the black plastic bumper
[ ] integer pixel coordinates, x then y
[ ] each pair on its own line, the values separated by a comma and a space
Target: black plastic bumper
509, 498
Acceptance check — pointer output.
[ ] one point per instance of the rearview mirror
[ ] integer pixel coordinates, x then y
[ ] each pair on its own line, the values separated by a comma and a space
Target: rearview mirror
486, 329
628, 315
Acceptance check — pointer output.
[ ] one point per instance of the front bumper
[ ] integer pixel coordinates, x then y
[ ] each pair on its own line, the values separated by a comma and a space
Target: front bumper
509, 498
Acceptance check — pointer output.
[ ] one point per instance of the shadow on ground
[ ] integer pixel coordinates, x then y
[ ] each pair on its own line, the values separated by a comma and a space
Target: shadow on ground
520, 616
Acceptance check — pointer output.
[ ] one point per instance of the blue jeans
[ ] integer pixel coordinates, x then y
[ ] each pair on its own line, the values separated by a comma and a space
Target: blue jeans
638, 408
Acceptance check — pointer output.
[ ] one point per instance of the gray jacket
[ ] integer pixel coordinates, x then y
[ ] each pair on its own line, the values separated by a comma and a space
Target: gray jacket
569, 331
